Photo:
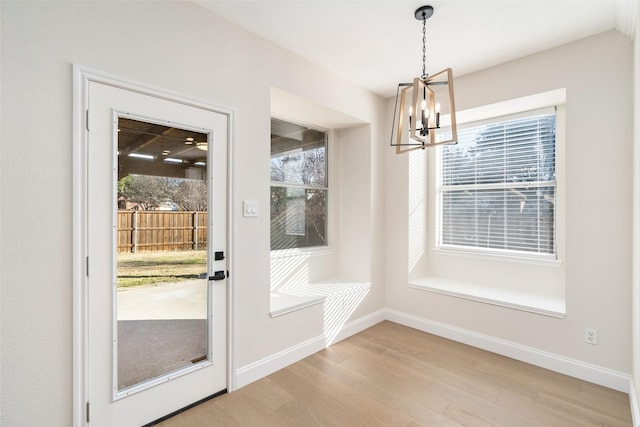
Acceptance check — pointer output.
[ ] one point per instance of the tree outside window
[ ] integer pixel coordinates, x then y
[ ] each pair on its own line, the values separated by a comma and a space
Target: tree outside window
298, 186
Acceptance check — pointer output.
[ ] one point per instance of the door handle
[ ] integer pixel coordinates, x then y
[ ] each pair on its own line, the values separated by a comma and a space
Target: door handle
218, 275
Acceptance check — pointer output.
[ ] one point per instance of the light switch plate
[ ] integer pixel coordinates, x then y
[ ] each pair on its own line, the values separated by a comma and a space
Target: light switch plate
250, 208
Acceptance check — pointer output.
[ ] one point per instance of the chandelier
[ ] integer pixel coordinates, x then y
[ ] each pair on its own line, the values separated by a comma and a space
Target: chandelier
416, 115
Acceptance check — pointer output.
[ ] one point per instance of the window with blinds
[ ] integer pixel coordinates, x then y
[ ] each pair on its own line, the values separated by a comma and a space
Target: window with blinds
497, 187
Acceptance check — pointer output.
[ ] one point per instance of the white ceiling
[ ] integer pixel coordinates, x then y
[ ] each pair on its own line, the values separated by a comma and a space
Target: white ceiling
378, 44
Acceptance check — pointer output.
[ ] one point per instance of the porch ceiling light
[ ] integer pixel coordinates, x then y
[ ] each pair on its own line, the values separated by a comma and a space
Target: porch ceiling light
416, 116
200, 145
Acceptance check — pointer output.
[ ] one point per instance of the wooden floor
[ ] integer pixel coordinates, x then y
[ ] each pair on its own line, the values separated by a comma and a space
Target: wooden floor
391, 375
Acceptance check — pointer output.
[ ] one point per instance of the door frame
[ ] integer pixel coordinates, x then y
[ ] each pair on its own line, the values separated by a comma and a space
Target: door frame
82, 77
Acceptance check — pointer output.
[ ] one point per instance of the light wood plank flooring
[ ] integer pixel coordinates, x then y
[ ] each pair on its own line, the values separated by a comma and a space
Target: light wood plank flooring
391, 375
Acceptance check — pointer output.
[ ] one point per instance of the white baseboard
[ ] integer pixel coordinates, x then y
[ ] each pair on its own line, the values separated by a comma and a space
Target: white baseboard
261, 368
564, 365
633, 401
575, 368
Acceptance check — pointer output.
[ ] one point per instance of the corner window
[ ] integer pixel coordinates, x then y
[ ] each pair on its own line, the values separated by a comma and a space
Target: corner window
497, 187
298, 186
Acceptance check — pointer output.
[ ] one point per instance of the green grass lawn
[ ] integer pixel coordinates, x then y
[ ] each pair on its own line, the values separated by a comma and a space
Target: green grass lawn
145, 268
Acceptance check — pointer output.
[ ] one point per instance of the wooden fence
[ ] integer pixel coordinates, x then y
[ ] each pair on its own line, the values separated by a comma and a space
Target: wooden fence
147, 231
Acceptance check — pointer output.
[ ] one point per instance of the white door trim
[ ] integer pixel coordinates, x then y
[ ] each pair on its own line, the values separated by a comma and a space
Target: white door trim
82, 76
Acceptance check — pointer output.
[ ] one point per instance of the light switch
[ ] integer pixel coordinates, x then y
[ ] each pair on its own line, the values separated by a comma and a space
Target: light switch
250, 208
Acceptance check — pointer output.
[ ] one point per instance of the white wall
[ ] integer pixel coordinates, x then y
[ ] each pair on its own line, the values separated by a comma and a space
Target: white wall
636, 223
596, 73
185, 49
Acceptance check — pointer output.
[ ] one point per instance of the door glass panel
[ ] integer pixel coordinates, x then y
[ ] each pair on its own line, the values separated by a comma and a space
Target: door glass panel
161, 251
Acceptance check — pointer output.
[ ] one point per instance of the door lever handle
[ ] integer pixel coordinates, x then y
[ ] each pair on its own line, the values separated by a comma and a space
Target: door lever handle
218, 275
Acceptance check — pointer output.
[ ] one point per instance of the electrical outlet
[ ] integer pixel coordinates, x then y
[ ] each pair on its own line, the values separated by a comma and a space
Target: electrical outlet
591, 336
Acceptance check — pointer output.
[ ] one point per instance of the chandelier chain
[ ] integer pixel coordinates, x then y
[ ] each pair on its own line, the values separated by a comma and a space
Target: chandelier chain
424, 46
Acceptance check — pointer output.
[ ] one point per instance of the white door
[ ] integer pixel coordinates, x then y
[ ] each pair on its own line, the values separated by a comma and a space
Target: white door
156, 255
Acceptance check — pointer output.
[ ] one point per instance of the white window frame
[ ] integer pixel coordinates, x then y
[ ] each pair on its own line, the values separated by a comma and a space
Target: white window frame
328, 187
558, 184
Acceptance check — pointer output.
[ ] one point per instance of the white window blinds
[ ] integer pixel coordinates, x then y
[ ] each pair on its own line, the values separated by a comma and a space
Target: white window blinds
497, 187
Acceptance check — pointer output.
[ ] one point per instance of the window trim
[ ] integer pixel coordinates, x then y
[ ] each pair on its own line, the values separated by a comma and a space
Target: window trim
496, 253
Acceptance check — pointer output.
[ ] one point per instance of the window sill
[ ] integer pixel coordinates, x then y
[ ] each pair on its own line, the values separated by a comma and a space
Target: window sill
533, 303
285, 301
495, 256
296, 252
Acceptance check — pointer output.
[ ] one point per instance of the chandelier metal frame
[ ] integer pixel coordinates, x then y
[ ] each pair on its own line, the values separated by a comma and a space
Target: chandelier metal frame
423, 127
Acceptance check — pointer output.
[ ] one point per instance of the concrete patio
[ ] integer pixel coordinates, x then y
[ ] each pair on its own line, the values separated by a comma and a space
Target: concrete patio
161, 328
